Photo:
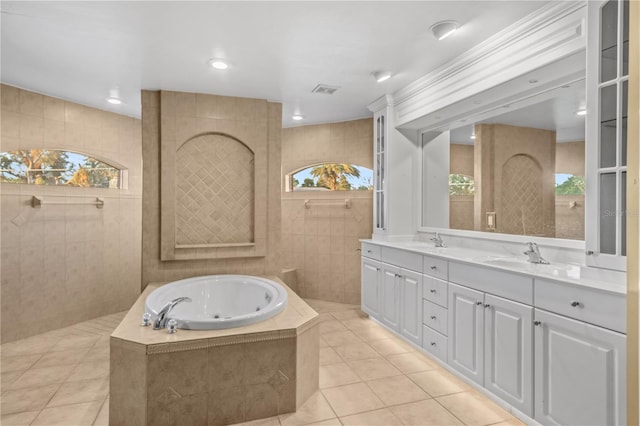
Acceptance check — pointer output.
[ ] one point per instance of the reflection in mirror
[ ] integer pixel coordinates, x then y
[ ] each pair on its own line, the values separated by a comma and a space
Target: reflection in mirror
519, 170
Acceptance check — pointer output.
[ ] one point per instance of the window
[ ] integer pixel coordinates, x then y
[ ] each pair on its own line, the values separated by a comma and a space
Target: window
332, 177
461, 185
567, 184
57, 167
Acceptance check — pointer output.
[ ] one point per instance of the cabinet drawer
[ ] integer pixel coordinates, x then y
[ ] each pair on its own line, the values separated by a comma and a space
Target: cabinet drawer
500, 283
404, 259
582, 303
371, 250
434, 316
434, 343
434, 290
435, 267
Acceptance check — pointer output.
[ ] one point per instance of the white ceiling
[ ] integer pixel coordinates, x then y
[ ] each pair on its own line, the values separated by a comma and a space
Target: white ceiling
84, 51
554, 110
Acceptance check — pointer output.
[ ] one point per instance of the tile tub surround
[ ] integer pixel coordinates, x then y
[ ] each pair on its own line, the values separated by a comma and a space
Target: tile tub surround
65, 264
441, 395
213, 377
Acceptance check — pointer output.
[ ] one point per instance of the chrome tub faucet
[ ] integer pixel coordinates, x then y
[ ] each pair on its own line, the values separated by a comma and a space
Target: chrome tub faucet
163, 315
534, 254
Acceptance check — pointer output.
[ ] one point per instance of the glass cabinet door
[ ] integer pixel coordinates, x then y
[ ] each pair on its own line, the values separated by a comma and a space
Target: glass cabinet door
379, 154
610, 139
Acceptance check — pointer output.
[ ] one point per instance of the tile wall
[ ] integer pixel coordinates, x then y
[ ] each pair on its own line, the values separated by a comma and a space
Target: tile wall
62, 264
322, 242
221, 112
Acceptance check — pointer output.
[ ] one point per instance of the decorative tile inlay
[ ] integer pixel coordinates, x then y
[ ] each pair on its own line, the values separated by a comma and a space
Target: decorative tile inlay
522, 196
278, 379
169, 395
214, 191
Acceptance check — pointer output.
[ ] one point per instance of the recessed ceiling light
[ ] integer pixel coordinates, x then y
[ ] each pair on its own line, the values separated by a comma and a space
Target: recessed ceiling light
114, 101
443, 29
218, 64
381, 76
581, 112
297, 117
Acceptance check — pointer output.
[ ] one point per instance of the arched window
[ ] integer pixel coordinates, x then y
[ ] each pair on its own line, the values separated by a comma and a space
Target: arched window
461, 185
331, 177
57, 167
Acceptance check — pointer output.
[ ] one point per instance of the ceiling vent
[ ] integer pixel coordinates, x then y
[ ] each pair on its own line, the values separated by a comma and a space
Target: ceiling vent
325, 89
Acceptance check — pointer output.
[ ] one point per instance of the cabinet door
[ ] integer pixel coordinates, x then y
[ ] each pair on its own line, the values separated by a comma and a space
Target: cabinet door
390, 299
411, 306
508, 351
580, 373
466, 327
371, 274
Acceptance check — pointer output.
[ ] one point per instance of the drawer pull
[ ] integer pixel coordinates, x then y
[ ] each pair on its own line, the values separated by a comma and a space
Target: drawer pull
478, 303
433, 290
433, 267
433, 317
377, 269
576, 304
433, 343
369, 251
537, 323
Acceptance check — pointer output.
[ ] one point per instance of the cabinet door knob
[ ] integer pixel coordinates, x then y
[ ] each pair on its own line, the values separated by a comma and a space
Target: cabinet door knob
433, 317
398, 275
589, 252
575, 304
433, 291
433, 343
478, 303
369, 251
537, 323
433, 267
486, 305
377, 269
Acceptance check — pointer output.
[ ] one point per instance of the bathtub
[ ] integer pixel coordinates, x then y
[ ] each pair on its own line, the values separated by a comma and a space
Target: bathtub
219, 301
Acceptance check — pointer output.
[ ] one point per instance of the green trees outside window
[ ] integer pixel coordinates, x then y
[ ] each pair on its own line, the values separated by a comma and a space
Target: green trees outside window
57, 167
333, 177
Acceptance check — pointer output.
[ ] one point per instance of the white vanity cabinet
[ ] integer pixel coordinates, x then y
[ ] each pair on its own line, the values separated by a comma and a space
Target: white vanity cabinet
392, 293
490, 341
552, 349
371, 279
580, 372
579, 355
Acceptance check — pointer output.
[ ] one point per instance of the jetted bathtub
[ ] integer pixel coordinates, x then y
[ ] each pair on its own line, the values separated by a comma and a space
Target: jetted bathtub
219, 301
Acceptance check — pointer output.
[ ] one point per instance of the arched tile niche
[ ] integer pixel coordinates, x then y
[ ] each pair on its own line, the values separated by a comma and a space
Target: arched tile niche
213, 186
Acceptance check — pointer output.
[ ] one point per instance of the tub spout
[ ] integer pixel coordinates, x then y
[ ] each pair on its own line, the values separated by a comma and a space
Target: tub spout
163, 315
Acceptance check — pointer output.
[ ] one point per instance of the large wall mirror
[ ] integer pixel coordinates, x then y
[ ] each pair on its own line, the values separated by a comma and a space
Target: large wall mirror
515, 168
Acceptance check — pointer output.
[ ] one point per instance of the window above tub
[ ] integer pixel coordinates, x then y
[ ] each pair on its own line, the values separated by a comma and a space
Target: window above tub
330, 177
58, 168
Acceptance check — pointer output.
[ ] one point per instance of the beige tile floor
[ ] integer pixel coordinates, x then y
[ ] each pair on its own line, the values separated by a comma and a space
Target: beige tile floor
367, 377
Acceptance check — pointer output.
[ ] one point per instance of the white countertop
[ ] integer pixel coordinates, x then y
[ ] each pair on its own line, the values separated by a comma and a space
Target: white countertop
602, 279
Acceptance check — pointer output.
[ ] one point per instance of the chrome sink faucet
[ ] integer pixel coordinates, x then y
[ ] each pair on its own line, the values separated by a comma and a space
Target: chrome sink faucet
163, 315
438, 240
534, 254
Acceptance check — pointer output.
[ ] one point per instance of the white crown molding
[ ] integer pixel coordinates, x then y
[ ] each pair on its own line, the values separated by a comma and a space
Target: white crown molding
380, 103
545, 36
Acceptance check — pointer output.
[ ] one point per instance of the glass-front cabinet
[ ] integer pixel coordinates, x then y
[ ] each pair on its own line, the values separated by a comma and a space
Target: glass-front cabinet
379, 156
607, 87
